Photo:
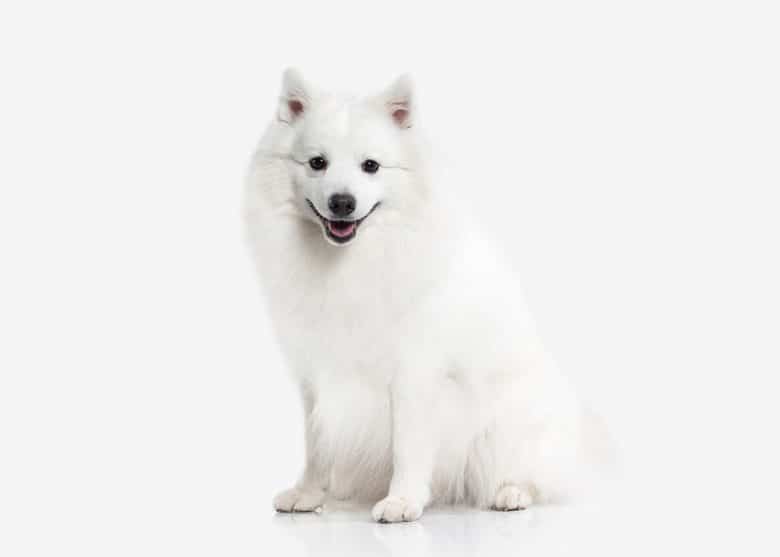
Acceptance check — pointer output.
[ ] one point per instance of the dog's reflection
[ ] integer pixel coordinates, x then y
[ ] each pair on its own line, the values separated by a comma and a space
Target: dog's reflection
451, 532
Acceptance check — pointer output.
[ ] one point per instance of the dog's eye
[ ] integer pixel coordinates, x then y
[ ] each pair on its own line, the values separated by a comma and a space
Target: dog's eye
370, 166
318, 163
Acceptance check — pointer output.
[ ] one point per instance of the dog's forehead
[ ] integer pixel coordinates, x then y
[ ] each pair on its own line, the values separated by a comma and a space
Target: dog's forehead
345, 121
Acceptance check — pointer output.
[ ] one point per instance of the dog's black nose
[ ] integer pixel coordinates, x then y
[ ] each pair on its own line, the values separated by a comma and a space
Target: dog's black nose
342, 204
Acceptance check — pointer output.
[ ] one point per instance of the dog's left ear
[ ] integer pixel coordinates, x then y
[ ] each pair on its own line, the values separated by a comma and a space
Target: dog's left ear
398, 101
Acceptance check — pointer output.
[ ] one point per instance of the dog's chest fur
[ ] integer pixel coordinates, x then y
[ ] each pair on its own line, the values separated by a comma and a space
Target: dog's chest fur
338, 311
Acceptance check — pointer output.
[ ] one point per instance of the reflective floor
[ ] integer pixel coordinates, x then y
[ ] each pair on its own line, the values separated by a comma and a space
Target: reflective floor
544, 530
629, 524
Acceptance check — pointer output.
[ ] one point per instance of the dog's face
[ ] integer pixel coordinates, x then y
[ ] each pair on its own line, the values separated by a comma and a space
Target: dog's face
347, 157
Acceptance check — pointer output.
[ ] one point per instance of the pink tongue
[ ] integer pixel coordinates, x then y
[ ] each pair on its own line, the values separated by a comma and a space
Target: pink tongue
341, 230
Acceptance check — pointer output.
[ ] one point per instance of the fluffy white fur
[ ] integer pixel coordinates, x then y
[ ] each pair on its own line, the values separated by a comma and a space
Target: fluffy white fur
421, 375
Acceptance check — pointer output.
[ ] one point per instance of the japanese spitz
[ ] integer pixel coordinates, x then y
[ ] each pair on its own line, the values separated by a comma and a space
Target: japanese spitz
421, 375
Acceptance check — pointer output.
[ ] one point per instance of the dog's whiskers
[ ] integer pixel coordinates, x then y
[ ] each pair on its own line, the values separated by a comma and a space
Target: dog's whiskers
280, 156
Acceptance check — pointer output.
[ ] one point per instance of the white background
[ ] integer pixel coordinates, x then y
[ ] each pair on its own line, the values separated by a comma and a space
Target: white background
625, 153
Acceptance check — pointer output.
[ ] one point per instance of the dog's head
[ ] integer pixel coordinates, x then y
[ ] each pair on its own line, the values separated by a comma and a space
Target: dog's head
349, 159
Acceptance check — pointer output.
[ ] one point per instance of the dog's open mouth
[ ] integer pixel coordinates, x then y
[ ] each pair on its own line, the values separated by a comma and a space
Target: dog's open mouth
341, 231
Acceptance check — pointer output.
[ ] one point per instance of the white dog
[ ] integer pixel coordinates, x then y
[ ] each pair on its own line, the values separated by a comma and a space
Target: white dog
421, 375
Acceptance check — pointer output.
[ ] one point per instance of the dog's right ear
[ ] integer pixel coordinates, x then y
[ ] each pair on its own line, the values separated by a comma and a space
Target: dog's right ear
295, 99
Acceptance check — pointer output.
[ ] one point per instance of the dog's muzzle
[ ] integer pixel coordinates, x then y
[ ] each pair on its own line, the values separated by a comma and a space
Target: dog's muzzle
341, 231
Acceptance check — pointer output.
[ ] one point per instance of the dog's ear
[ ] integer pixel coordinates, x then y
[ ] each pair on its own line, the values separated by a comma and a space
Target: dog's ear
296, 96
398, 101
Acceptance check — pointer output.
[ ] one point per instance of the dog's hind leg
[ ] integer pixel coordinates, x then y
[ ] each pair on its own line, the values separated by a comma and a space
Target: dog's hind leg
513, 466
513, 498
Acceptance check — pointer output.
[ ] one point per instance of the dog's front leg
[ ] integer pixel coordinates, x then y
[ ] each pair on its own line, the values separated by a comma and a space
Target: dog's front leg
415, 435
310, 491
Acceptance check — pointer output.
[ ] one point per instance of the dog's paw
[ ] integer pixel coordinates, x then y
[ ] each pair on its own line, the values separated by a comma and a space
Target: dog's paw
513, 498
298, 500
396, 509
